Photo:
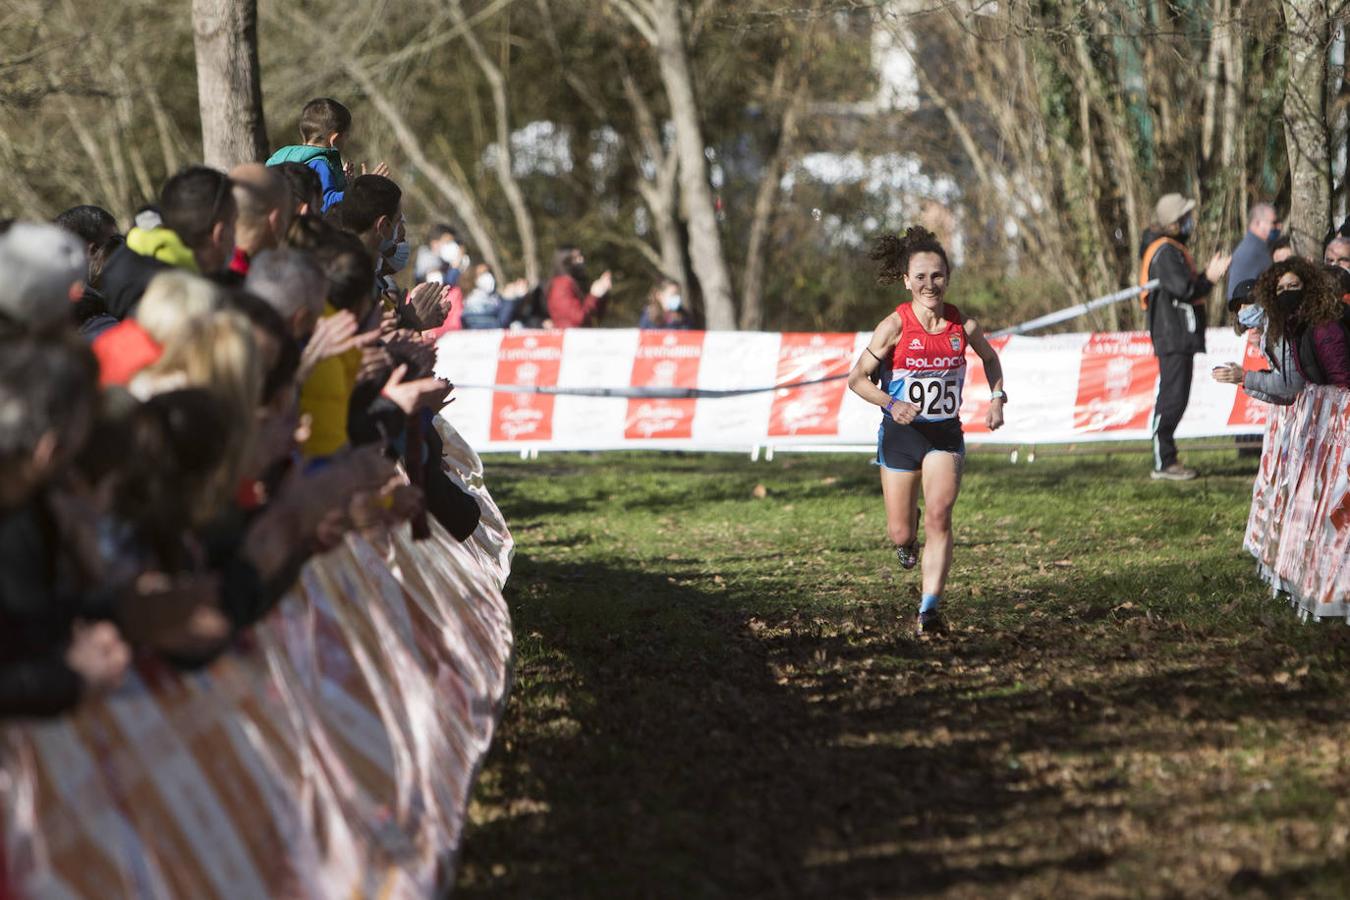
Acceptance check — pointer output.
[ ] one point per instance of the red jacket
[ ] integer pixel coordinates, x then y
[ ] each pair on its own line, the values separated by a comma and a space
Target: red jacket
567, 308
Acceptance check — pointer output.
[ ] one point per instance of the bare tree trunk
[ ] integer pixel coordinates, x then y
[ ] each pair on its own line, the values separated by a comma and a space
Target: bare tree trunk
229, 87
660, 191
1338, 121
1308, 27
659, 22
766, 196
515, 197
1210, 107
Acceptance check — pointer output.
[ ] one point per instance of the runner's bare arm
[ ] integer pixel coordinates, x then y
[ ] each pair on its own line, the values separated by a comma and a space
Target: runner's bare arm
860, 379
993, 370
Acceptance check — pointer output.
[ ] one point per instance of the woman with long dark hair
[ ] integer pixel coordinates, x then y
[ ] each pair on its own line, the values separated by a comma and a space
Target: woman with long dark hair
914, 368
1305, 325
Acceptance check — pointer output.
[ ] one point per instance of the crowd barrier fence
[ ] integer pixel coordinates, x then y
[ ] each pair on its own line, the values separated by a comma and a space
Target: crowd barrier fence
1299, 525
1068, 388
330, 754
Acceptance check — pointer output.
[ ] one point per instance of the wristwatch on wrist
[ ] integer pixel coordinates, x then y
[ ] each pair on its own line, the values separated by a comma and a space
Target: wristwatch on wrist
999, 395
889, 404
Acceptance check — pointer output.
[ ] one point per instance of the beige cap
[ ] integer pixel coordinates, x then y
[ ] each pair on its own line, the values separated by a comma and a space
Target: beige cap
1171, 208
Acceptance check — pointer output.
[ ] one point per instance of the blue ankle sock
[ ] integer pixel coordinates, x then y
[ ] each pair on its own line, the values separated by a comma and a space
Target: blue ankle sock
929, 603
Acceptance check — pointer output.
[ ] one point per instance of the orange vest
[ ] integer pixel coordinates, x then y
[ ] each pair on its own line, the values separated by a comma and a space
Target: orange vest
1147, 262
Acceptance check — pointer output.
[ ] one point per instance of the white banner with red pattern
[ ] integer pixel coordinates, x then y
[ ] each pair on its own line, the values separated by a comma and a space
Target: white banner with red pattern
1065, 388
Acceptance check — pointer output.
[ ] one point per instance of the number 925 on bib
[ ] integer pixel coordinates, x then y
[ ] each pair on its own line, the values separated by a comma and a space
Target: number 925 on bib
937, 397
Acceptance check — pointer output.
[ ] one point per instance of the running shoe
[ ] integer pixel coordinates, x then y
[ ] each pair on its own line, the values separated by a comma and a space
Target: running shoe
1174, 472
930, 623
908, 555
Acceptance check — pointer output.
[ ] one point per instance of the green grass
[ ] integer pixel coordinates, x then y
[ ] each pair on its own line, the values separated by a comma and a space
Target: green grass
718, 694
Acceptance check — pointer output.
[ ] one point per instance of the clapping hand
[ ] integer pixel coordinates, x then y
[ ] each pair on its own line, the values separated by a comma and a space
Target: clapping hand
429, 304
600, 287
409, 396
333, 336
98, 655
1218, 266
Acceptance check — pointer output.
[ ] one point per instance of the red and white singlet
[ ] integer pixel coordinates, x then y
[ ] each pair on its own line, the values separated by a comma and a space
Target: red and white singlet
929, 370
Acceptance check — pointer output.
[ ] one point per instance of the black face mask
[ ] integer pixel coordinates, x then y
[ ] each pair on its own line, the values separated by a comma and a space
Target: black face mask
1288, 302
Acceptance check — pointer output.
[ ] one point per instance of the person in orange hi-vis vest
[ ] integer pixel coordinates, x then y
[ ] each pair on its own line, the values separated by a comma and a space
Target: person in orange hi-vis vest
1176, 320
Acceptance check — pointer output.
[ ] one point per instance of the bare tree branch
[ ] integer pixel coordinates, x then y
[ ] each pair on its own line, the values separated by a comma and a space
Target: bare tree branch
515, 198
454, 193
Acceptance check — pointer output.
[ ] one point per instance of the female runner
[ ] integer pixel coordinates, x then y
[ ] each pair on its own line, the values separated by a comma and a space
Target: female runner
918, 355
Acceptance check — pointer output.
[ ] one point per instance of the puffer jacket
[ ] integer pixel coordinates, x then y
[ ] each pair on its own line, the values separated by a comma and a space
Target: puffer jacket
164, 245
326, 163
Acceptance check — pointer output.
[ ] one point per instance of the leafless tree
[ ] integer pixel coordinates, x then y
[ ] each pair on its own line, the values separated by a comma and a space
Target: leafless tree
229, 86
515, 197
1306, 128
661, 24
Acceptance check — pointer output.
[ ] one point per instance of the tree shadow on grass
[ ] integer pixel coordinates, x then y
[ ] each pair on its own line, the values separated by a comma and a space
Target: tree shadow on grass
674, 738
656, 753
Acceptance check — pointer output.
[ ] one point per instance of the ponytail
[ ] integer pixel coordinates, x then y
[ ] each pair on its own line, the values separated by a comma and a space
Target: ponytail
894, 252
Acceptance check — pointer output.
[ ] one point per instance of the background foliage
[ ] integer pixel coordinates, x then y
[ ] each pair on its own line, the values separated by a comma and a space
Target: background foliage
1035, 134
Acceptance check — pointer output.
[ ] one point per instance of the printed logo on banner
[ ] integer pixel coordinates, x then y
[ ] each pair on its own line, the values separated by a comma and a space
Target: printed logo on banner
1246, 410
810, 410
975, 400
1117, 382
665, 359
526, 359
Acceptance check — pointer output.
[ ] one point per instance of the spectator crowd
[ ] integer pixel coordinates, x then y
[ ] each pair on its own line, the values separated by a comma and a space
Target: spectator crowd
194, 408
1296, 308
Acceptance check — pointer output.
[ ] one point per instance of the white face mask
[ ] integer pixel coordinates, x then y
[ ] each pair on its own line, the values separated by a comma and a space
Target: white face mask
672, 302
398, 261
450, 253
486, 283
1252, 316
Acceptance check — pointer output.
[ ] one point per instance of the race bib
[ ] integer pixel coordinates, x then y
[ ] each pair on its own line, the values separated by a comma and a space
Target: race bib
938, 397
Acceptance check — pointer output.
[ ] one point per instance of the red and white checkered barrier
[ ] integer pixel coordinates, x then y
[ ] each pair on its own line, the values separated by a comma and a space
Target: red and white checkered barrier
1299, 527
329, 755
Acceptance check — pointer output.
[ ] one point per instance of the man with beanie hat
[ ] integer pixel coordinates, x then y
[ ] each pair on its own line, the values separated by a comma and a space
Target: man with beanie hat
42, 272
1176, 320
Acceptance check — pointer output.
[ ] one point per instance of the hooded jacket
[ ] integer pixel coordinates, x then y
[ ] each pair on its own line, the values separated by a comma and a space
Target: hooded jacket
163, 244
124, 278
1176, 307
325, 161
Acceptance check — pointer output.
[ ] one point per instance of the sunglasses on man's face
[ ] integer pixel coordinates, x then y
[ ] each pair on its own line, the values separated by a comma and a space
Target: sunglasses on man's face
222, 191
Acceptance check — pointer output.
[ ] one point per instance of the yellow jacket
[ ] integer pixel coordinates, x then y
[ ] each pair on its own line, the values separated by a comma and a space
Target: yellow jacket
326, 396
164, 245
